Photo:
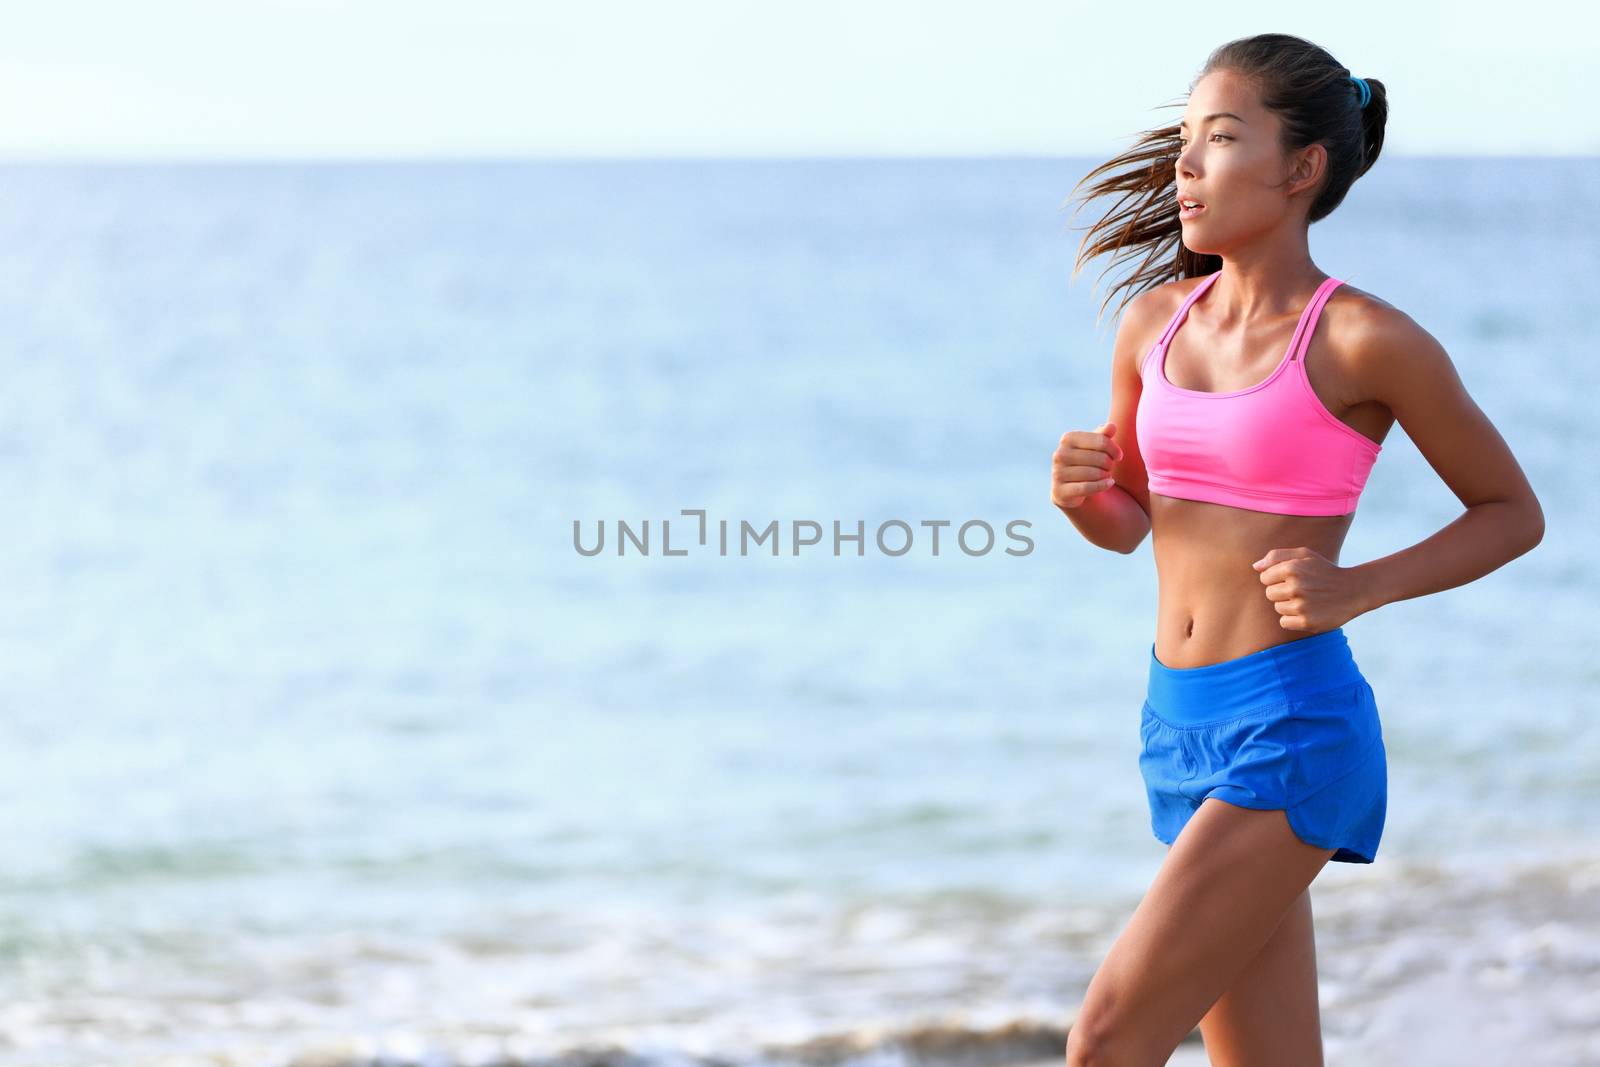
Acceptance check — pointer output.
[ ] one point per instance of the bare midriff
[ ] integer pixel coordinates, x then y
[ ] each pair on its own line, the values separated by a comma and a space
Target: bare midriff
1212, 605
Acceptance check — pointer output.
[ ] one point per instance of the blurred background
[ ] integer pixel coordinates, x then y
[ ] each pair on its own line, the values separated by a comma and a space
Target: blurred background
324, 324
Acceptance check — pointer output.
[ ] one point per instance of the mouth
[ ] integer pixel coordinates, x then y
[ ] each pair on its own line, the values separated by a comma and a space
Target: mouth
1189, 208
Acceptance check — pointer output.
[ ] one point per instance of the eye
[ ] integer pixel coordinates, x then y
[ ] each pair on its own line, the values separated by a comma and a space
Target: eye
1184, 140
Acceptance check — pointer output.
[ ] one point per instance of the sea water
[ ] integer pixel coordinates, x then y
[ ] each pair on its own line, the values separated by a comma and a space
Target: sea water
321, 737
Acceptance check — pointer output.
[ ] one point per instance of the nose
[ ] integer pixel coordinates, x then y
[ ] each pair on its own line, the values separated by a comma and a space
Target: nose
1185, 163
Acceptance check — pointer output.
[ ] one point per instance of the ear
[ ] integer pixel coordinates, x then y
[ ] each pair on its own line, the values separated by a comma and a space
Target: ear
1307, 167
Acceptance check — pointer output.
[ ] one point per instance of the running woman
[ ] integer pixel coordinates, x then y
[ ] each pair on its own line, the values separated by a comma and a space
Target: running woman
1251, 394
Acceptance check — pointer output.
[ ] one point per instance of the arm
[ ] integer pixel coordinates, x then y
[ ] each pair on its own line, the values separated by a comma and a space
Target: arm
1412, 375
1118, 518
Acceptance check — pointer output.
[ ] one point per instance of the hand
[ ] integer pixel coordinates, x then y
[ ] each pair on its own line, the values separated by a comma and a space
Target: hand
1081, 465
1310, 591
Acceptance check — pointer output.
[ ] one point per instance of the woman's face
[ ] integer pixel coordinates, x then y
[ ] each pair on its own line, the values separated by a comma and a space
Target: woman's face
1230, 161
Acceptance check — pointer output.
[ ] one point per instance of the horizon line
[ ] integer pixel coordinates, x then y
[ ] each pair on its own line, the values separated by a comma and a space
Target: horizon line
643, 157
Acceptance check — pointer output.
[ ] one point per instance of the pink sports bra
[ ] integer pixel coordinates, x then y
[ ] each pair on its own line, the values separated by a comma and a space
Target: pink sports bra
1272, 447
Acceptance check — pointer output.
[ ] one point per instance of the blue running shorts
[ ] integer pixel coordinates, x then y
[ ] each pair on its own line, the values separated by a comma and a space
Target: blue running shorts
1294, 726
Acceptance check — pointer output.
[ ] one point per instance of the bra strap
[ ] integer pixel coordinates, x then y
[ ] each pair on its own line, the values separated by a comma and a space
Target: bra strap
1183, 309
1308, 320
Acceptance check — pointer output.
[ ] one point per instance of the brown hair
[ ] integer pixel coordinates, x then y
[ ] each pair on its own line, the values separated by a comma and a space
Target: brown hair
1315, 100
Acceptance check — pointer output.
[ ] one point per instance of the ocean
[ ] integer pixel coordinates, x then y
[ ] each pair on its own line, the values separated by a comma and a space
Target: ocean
324, 743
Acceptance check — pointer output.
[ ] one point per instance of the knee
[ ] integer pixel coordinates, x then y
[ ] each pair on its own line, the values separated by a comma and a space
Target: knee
1092, 1044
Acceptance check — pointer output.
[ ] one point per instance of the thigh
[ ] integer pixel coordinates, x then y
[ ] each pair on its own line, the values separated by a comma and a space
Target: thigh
1269, 1014
1225, 885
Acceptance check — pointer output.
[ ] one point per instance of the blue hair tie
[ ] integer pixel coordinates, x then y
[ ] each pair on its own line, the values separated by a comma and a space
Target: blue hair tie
1366, 93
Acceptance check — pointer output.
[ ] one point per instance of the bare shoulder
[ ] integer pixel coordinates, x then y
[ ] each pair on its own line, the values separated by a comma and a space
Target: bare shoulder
1402, 366
1377, 344
1146, 315
1372, 335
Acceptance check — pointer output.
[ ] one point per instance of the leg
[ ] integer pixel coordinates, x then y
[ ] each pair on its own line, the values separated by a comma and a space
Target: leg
1269, 1015
1227, 882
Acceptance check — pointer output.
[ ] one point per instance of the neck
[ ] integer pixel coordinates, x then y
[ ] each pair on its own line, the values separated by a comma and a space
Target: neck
1260, 285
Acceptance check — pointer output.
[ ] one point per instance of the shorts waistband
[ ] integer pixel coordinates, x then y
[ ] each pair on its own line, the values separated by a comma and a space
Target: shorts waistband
1274, 675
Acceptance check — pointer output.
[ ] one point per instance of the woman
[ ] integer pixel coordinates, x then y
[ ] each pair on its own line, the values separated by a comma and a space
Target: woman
1251, 394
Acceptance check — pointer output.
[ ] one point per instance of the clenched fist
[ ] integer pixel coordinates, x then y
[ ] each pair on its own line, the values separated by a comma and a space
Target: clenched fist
1310, 592
1081, 465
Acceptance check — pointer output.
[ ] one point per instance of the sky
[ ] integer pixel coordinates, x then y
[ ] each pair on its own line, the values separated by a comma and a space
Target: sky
304, 79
